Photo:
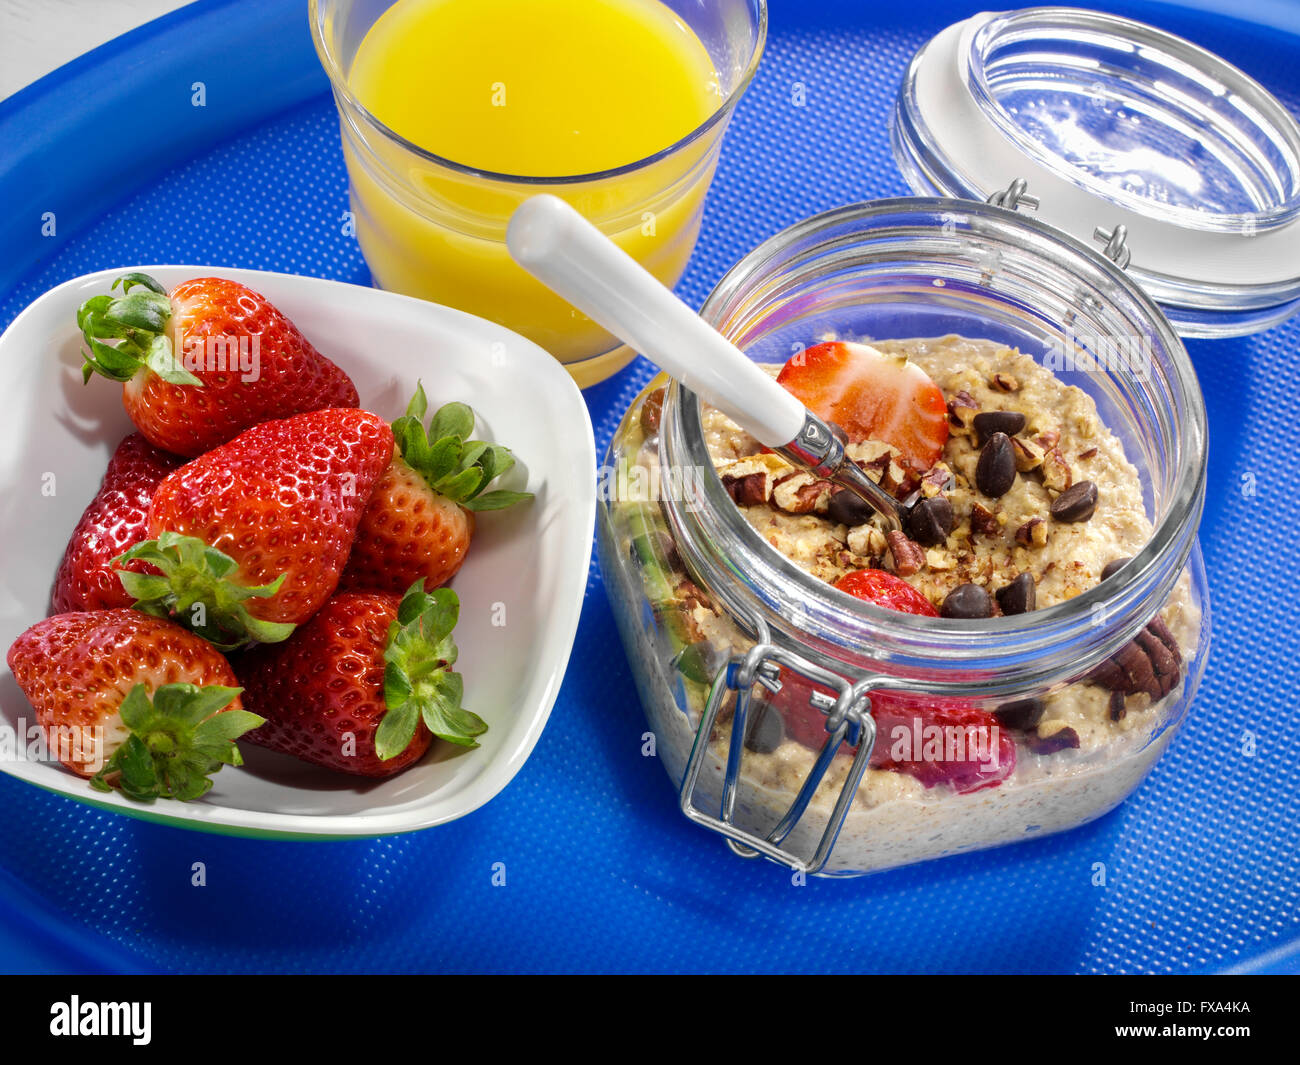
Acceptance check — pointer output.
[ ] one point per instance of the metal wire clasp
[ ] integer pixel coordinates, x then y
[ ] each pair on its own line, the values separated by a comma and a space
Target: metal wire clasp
848, 719
1114, 241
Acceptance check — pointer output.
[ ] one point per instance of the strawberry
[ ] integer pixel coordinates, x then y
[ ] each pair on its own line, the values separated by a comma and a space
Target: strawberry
365, 685
115, 520
204, 362
972, 751
420, 517
872, 396
250, 539
884, 589
132, 701
935, 739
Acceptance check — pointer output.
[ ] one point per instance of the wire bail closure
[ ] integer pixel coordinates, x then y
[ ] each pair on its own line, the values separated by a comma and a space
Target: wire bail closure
848, 718
1114, 241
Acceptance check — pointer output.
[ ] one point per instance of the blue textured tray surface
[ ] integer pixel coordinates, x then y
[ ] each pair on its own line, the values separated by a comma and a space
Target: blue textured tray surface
601, 870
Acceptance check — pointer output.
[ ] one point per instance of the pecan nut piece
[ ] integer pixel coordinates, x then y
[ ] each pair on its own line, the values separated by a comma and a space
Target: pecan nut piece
962, 409
1032, 533
749, 490
983, 522
1150, 663
908, 556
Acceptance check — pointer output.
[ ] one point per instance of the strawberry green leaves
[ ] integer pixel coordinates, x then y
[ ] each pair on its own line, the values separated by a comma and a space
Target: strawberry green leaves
127, 333
418, 680
449, 461
193, 590
178, 739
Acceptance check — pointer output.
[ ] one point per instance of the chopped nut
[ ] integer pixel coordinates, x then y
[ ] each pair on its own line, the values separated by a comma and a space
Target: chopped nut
1004, 382
1085, 455
908, 556
939, 559
1118, 706
983, 522
690, 593
749, 490
1049, 438
867, 540
1057, 475
1032, 533
937, 479
651, 411
962, 409
1027, 453
801, 493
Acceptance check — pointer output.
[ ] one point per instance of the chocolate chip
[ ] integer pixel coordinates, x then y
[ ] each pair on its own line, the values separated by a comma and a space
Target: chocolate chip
1076, 503
930, 520
651, 410
849, 508
997, 421
1018, 597
1059, 740
996, 471
764, 727
1022, 714
967, 601
1112, 567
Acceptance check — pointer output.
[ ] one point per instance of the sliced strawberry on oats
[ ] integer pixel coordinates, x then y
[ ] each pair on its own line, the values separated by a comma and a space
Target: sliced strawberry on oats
872, 396
886, 590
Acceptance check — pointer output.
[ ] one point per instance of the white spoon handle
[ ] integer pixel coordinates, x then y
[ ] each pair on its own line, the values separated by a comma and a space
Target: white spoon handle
552, 241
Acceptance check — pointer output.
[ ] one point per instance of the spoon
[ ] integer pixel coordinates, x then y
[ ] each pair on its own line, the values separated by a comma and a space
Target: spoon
569, 255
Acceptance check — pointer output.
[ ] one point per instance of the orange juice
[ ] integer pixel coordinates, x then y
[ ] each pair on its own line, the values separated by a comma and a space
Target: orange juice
490, 95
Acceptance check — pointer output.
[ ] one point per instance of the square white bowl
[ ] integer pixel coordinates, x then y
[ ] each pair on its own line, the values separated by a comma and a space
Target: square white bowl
531, 559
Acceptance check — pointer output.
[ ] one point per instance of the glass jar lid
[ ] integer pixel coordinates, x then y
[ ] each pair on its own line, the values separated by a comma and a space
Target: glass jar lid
1184, 168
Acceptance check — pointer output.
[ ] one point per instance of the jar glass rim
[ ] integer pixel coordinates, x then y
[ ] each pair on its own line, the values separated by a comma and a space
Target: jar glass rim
1153, 568
338, 82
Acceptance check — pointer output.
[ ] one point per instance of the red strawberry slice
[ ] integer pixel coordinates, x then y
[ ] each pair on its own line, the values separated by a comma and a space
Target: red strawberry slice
204, 362
364, 686
941, 741
934, 739
887, 590
251, 538
116, 519
133, 701
872, 396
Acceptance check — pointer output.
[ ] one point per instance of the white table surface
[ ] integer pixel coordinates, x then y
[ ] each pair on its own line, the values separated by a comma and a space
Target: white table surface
36, 36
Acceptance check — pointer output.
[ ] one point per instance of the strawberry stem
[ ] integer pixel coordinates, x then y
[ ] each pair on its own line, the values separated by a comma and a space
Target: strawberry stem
418, 680
450, 463
179, 738
128, 333
193, 590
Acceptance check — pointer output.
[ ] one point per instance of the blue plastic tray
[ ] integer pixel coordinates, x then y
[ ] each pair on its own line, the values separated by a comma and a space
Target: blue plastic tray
601, 871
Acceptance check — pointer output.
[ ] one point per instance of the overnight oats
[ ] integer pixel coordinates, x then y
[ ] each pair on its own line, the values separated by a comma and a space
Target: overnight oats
1028, 501
1008, 655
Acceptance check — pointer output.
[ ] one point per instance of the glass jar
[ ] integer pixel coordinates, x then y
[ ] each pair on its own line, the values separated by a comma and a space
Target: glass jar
723, 630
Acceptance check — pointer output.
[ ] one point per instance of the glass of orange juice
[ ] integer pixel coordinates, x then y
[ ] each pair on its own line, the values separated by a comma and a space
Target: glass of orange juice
455, 111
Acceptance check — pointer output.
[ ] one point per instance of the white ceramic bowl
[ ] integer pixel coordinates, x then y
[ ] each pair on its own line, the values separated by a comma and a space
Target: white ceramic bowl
532, 558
